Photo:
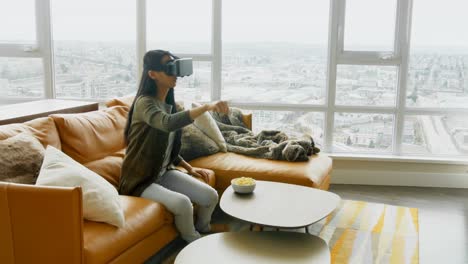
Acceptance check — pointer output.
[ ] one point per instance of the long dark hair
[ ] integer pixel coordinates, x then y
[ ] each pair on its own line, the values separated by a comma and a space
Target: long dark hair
147, 87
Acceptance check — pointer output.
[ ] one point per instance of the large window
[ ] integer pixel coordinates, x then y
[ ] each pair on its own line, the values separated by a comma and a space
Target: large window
21, 77
184, 31
21, 63
437, 80
445, 134
294, 123
358, 132
181, 30
275, 53
365, 64
363, 85
370, 25
21, 14
94, 48
438, 65
384, 77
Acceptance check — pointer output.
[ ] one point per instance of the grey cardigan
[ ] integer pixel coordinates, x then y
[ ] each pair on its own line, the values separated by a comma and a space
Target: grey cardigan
147, 142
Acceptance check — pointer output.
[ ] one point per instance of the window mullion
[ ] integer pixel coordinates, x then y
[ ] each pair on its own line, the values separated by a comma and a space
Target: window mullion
216, 50
141, 34
340, 30
435, 111
195, 57
367, 58
403, 38
365, 109
336, 9
279, 107
44, 40
20, 51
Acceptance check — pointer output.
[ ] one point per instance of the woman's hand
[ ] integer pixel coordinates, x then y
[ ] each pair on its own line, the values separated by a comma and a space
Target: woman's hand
200, 173
219, 106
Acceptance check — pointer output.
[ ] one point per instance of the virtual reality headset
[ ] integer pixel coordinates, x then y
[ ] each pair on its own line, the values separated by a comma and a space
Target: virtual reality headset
179, 67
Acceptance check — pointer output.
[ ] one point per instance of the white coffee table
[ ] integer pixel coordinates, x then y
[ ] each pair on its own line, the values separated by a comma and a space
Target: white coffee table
272, 204
256, 248
280, 205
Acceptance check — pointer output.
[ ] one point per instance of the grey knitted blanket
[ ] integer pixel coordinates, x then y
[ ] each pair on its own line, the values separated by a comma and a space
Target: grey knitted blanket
268, 144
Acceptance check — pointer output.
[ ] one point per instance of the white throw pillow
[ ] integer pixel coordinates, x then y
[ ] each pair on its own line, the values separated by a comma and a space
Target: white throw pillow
207, 124
101, 202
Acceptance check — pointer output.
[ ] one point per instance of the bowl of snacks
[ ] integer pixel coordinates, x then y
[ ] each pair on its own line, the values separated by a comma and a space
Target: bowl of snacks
243, 185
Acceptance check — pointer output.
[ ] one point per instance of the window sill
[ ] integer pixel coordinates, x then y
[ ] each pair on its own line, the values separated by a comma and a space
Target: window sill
403, 158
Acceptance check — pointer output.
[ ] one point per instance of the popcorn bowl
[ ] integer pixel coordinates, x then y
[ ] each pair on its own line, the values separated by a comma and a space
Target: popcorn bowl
243, 185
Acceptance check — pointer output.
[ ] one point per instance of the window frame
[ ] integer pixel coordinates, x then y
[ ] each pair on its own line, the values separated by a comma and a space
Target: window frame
215, 53
41, 49
336, 55
339, 56
365, 57
399, 58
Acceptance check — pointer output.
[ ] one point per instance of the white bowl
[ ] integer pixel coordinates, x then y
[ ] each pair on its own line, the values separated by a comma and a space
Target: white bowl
242, 188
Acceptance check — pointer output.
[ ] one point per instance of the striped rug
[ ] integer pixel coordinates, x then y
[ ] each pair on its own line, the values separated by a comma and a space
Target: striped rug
361, 232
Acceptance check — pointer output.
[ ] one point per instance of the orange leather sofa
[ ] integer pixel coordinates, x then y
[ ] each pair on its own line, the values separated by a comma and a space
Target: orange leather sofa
227, 166
40, 224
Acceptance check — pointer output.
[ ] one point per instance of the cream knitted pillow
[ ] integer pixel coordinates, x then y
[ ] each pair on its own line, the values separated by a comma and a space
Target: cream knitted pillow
207, 124
101, 202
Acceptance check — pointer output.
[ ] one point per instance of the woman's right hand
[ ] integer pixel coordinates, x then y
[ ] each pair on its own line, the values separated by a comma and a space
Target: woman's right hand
219, 106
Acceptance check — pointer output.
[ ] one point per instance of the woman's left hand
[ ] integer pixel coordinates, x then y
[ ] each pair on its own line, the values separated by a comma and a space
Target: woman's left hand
200, 173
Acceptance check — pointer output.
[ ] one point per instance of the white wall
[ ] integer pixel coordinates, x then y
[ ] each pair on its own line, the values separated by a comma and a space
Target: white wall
399, 173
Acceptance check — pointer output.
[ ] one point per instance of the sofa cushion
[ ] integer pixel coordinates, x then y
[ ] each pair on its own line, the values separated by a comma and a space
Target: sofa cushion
41, 128
108, 167
121, 101
100, 199
206, 123
128, 101
93, 135
228, 166
103, 242
196, 144
20, 159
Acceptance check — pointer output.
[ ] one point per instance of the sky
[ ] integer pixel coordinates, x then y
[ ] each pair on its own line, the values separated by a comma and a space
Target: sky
369, 22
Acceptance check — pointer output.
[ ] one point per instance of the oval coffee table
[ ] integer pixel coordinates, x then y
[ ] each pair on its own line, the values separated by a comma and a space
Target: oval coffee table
279, 205
271, 204
256, 248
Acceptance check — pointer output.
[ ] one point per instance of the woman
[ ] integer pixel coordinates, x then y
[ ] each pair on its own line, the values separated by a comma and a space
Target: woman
153, 134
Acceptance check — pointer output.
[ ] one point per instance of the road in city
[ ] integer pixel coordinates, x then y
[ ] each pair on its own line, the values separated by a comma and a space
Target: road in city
438, 140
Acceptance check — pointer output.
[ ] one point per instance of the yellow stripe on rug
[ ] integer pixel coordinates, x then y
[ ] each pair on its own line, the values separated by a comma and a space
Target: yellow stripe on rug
361, 232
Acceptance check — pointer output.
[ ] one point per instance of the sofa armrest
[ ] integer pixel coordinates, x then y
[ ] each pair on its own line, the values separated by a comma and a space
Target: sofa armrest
40, 224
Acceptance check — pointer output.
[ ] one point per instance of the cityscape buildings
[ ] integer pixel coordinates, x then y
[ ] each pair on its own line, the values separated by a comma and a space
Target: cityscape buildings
278, 73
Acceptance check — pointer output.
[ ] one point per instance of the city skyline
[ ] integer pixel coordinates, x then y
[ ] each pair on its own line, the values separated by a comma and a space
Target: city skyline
273, 72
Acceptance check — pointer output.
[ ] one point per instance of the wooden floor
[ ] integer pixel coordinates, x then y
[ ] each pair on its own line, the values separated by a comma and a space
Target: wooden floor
443, 217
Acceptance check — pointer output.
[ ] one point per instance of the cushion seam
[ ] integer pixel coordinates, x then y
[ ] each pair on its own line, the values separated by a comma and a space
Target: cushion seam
11, 222
249, 172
